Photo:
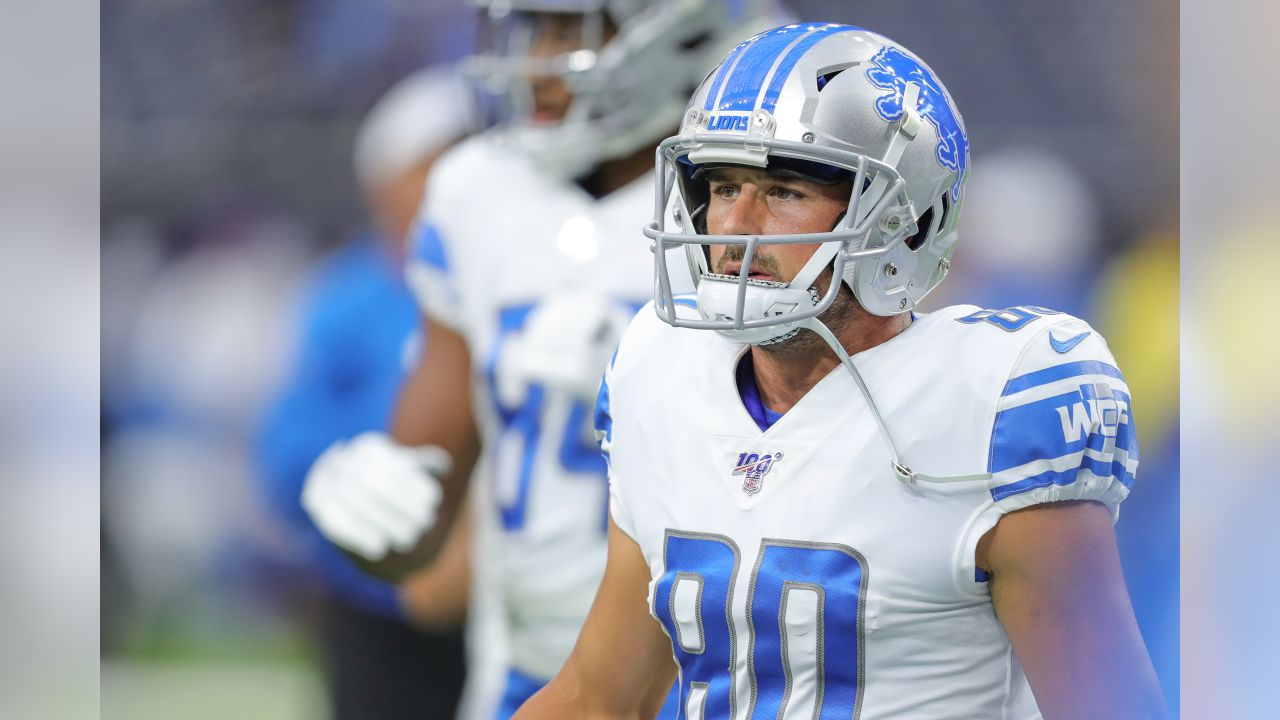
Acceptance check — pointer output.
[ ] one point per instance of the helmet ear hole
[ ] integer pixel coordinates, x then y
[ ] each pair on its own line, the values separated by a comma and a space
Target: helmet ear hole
827, 74
930, 222
824, 79
925, 226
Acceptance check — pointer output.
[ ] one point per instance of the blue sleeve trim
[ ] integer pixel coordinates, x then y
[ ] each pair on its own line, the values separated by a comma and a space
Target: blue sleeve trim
1101, 468
520, 687
428, 247
1060, 372
603, 419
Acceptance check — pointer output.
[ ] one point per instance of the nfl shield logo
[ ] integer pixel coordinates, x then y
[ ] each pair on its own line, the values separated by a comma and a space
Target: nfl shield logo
753, 466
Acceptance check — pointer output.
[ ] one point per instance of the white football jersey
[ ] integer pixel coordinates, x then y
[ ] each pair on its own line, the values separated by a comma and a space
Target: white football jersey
795, 574
498, 241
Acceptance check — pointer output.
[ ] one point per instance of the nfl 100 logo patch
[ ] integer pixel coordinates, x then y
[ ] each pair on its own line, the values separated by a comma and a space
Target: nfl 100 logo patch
753, 467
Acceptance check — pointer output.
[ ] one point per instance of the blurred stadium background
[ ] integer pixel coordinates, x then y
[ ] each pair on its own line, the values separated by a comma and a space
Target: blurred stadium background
227, 132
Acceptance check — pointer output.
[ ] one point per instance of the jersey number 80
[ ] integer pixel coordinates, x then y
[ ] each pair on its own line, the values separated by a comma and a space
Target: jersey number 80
804, 616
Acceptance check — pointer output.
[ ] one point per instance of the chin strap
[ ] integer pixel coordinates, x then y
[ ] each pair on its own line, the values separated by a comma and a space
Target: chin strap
904, 473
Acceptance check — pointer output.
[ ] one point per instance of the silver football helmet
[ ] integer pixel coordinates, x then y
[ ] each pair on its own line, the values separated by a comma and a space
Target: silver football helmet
628, 89
840, 101
835, 103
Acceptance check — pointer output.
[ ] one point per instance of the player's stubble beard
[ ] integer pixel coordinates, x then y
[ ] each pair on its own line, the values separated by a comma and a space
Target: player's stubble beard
843, 313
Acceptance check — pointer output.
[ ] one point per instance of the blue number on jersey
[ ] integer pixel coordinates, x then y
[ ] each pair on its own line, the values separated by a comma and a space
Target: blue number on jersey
577, 450
706, 660
575, 453
1009, 319
817, 648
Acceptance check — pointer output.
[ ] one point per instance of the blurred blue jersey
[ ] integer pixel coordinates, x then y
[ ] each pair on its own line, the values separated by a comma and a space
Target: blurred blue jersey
358, 320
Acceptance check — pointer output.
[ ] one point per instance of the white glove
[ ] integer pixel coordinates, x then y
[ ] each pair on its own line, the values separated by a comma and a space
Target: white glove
565, 345
372, 495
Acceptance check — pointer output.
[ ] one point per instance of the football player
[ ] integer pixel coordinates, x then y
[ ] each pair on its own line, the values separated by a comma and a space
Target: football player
528, 262
360, 324
823, 504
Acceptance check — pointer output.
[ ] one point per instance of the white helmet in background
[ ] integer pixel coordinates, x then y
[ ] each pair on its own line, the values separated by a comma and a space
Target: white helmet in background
833, 103
420, 115
629, 88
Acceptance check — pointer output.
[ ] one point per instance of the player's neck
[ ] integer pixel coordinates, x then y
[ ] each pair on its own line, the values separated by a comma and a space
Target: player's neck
785, 377
613, 175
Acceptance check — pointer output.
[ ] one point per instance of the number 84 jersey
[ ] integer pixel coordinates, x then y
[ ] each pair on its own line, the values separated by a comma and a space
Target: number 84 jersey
796, 576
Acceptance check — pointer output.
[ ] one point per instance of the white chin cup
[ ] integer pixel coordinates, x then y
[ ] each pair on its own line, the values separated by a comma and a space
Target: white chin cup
718, 300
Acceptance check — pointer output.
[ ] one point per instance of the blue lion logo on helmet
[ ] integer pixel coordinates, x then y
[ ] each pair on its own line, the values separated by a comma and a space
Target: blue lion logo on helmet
892, 69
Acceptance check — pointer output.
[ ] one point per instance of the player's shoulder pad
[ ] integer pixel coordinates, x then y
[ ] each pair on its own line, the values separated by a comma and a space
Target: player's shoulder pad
1023, 336
473, 158
459, 176
645, 351
645, 335
450, 190
471, 181
456, 204
645, 347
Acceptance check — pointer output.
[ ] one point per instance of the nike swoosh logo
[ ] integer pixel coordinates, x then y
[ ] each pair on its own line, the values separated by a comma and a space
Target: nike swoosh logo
1063, 346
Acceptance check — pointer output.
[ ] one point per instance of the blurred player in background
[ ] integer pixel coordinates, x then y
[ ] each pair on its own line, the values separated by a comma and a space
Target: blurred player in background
359, 337
836, 507
528, 262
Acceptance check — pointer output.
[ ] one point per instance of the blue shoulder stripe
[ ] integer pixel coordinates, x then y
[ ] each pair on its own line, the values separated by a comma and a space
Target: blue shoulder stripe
1060, 372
